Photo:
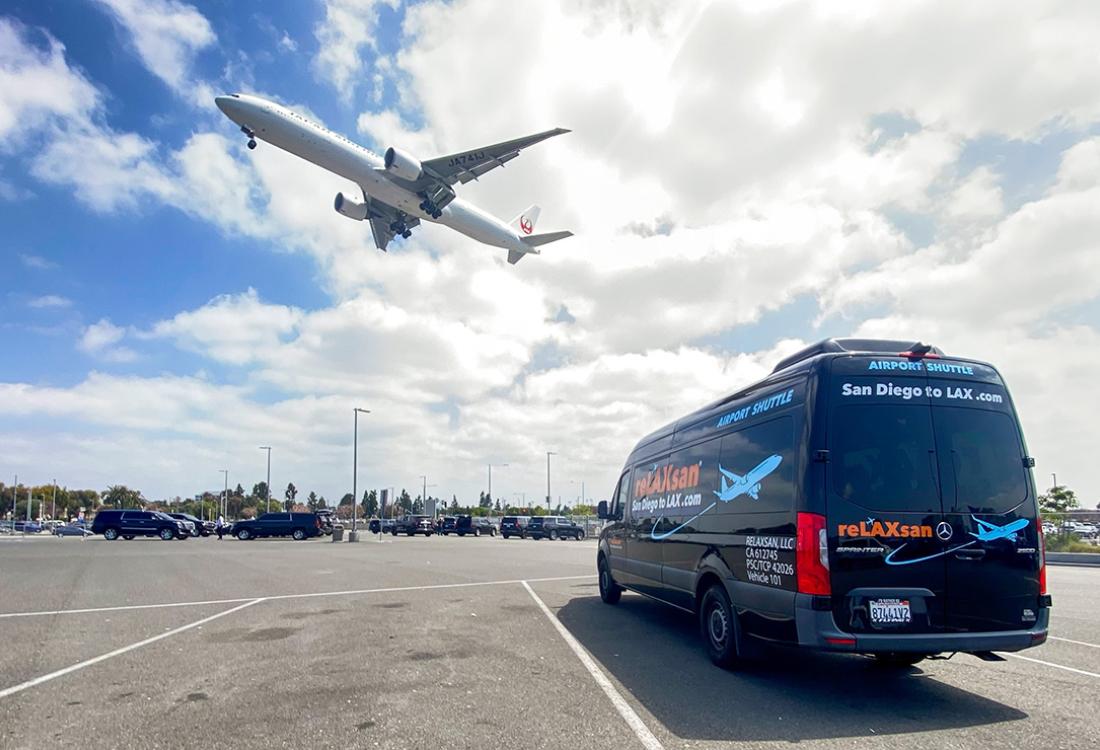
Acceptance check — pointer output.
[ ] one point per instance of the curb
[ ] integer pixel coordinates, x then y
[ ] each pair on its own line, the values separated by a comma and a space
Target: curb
1073, 558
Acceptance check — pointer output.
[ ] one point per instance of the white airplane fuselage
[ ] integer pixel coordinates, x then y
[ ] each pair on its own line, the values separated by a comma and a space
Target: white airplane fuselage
291, 132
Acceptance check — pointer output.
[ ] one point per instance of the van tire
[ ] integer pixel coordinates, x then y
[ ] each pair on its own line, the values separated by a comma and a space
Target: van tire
610, 592
720, 629
167, 535
110, 534
895, 660
244, 535
299, 534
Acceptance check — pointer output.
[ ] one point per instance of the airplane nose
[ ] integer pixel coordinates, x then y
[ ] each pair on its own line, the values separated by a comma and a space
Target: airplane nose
228, 105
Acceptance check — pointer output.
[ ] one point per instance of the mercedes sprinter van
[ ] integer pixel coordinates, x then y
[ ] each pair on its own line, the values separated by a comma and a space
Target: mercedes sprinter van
869, 496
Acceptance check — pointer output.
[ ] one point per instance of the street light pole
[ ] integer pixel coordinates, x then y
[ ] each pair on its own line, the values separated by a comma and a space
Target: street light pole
424, 492
225, 494
1055, 478
548, 454
491, 482
355, 468
53, 507
268, 449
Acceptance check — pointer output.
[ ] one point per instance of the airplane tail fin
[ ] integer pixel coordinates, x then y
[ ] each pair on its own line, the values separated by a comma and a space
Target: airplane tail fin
524, 224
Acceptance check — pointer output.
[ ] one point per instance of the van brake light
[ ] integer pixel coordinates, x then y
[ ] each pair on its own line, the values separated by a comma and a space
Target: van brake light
812, 555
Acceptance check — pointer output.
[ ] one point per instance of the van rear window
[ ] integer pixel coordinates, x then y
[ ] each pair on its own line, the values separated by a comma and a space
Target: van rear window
882, 457
981, 451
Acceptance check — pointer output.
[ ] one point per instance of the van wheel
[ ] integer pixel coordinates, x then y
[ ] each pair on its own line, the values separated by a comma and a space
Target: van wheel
244, 535
721, 631
110, 534
609, 591
299, 534
894, 660
167, 534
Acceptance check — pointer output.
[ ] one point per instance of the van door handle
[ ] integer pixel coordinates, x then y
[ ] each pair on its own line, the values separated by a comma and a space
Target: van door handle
970, 554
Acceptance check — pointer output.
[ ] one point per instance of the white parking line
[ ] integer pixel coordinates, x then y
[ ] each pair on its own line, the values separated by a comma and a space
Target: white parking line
632, 719
119, 651
1069, 640
351, 592
1052, 664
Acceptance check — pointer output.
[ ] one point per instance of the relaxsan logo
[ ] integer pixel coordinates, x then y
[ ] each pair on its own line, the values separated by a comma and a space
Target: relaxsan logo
884, 530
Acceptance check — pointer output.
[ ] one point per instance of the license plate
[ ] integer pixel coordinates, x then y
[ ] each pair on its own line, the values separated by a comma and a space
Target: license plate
890, 612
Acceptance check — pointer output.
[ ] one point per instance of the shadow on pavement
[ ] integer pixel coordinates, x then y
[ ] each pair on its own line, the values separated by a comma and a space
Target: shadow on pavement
654, 651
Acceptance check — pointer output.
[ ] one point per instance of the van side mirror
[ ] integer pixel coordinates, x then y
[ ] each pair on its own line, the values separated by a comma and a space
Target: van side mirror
601, 510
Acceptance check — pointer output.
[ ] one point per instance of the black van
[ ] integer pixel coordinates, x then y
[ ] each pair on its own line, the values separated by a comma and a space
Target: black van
868, 496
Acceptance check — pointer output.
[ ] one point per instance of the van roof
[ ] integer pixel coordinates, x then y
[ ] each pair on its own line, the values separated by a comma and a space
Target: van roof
790, 368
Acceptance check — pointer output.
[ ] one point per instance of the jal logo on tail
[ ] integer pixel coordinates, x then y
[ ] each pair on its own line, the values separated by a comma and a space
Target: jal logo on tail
525, 225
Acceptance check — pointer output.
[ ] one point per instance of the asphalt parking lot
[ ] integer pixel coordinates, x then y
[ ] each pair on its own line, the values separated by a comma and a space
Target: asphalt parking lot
465, 643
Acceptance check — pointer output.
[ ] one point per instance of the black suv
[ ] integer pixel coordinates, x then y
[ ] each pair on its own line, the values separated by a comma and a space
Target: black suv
514, 526
202, 528
127, 524
475, 526
297, 525
554, 527
413, 525
448, 525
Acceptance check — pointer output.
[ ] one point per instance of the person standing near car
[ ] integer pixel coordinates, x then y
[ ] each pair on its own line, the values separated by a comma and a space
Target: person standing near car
221, 527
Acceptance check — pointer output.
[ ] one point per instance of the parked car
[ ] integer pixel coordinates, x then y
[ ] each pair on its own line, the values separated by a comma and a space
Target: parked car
72, 529
474, 526
511, 526
554, 527
448, 526
202, 528
28, 527
128, 524
297, 525
413, 525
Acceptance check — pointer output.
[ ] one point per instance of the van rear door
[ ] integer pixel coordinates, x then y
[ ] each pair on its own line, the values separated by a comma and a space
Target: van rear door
883, 500
993, 557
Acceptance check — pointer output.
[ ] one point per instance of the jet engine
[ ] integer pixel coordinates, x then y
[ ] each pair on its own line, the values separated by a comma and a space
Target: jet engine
401, 164
351, 209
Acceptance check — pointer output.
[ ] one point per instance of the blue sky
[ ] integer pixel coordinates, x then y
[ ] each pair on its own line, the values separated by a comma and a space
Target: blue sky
169, 300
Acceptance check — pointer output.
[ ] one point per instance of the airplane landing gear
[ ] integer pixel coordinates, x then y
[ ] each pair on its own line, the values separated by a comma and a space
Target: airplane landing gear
430, 208
399, 227
251, 136
252, 143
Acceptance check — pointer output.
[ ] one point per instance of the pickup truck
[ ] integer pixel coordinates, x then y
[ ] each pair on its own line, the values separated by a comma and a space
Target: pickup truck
413, 525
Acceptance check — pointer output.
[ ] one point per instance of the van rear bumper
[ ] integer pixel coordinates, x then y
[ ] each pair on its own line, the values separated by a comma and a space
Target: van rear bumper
818, 629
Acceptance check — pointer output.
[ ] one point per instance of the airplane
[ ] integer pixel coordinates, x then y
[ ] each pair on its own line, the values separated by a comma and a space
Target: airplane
399, 190
988, 532
748, 484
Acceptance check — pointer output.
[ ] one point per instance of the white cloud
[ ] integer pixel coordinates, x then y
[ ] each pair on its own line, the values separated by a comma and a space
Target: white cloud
348, 26
287, 43
37, 262
167, 35
100, 339
49, 300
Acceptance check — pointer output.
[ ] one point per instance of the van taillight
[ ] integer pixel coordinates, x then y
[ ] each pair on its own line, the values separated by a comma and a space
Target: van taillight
812, 555
1042, 558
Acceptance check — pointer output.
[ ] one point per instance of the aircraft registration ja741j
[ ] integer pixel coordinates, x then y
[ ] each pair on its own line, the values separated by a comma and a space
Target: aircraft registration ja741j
399, 191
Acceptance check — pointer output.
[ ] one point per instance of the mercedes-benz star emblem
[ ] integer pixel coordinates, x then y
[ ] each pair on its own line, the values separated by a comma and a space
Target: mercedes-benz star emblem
944, 531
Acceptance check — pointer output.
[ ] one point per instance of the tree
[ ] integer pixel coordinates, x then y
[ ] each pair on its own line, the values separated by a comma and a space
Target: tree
121, 496
259, 490
404, 501
239, 490
311, 502
496, 506
1058, 499
290, 494
370, 503
347, 499
454, 504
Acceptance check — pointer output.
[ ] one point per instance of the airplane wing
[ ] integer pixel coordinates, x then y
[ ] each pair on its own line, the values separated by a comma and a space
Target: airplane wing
469, 165
381, 216
731, 476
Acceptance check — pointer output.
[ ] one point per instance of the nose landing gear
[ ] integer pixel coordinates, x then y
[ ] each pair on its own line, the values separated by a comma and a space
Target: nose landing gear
251, 136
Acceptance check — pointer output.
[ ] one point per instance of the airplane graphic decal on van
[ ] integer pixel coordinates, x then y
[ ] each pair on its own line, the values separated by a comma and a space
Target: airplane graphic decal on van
748, 484
987, 532
733, 486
